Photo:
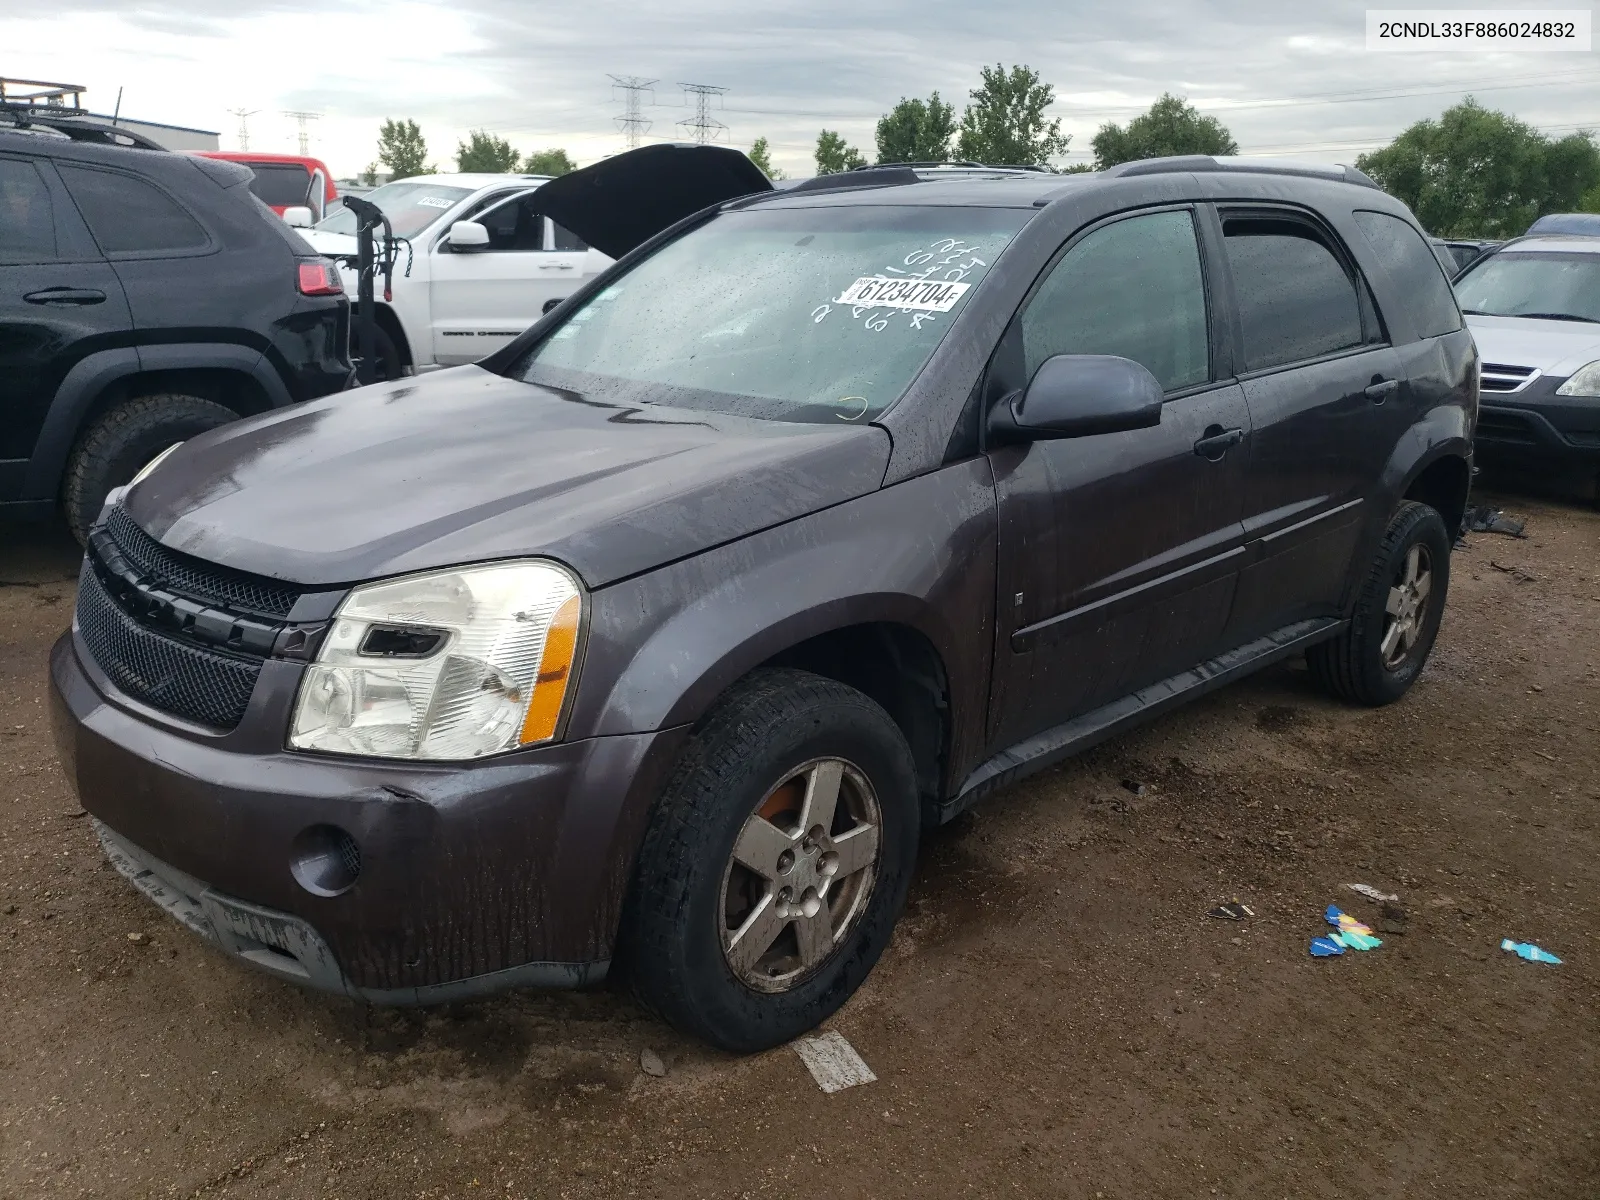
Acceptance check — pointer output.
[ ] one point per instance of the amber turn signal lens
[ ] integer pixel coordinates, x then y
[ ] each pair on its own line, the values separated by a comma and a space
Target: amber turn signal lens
555, 669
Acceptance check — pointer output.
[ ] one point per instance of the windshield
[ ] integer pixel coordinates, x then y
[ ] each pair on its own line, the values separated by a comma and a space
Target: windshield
410, 207
807, 314
1551, 285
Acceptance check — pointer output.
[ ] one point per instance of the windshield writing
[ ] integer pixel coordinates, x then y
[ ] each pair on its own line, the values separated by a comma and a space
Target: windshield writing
822, 314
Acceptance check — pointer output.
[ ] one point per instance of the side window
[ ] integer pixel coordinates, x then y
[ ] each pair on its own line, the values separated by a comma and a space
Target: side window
1414, 270
281, 184
1133, 289
129, 216
565, 239
27, 230
1296, 300
514, 225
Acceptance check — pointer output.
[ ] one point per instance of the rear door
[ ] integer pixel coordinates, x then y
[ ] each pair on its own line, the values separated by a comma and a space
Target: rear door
59, 301
1118, 552
482, 298
1317, 372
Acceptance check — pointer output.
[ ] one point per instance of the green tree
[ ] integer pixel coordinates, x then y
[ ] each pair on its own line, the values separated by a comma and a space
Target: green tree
402, 149
834, 154
1475, 172
484, 152
549, 162
369, 177
1172, 126
761, 155
1005, 123
916, 131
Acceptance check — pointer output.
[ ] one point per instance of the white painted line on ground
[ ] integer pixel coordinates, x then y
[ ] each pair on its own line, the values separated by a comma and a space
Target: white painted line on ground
833, 1062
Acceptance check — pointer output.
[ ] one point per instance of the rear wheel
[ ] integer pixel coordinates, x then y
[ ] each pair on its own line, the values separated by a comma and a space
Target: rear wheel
116, 447
776, 863
1379, 656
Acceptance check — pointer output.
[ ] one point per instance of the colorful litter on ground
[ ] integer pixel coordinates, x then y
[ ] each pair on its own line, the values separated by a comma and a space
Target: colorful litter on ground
1530, 952
1350, 934
1322, 947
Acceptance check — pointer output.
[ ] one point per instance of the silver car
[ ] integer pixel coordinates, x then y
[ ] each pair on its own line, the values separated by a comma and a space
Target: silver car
1533, 306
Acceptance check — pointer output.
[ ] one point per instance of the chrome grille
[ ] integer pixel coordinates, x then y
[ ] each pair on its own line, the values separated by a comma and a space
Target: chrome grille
1501, 378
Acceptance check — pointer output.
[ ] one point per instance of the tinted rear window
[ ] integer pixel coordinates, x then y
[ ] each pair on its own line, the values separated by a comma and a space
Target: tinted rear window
27, 231
1295, 300
280, 184
1411, 264
128, 215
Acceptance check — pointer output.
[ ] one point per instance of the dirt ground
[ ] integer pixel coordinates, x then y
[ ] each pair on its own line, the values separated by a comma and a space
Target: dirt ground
1057, 1015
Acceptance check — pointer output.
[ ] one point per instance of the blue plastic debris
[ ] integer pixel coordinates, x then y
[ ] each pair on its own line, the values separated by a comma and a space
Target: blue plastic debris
1530, 952
1352, 935
1322, 947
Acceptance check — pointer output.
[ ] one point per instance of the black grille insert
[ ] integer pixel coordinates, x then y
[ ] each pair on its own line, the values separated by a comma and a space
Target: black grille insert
197, 684
196, 578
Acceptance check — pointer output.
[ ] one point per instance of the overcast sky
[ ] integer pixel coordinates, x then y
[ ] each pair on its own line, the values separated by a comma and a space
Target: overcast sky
1287, 80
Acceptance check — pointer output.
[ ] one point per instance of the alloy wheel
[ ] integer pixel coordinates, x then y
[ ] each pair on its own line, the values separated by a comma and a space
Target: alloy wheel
800, 874
1406, 609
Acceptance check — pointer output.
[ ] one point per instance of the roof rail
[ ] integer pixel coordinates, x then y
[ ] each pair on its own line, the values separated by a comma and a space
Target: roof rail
959, 164
1206, 163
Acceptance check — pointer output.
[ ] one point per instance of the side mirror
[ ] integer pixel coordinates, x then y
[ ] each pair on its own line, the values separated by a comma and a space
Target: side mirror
298, 215
1076, 395
468, 235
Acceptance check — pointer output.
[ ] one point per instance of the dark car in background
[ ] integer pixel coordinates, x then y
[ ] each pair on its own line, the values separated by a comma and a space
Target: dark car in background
659, 637
145, 297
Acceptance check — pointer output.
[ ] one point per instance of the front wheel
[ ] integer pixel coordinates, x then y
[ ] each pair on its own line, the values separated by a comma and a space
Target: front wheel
776, 862
1379, 656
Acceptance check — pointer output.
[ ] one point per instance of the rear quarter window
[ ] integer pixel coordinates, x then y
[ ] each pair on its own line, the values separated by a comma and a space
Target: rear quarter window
129, 216
1416, 272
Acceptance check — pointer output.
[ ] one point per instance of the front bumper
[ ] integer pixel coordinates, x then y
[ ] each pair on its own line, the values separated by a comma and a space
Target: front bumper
1536, 425
473, 877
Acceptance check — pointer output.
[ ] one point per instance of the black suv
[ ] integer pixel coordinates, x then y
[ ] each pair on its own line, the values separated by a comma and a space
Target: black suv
144, 297
661, 635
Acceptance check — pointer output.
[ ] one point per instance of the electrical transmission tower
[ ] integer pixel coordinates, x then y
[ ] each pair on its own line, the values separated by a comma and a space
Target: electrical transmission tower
632, 124
305, 134
703, 127
244, 115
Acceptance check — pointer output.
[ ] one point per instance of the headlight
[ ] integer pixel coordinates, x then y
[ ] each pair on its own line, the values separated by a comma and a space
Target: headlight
445, 665
1585, 381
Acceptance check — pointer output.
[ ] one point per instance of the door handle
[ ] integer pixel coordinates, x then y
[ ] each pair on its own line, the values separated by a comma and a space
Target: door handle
1382, 390
1217, 442
555, 267
66, 295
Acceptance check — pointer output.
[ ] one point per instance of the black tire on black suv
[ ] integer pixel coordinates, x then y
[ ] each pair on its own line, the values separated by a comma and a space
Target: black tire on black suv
1379, 656
733, 856
112, 450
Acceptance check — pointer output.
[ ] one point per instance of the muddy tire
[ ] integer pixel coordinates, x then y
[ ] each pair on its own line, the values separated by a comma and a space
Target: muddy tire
775, 864
115, 447
1397, 613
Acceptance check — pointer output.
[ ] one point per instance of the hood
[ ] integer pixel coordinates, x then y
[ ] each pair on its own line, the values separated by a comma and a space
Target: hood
325, 241
622, 202
464, 466
1555, 348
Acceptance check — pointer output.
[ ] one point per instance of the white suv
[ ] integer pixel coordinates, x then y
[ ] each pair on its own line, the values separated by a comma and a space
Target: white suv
460, 303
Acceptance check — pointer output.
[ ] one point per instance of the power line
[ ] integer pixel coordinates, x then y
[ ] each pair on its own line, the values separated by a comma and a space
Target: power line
702, 126
244, 116
633, 125
305, 134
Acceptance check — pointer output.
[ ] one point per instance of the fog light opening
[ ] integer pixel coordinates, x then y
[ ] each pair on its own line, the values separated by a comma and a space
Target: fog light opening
325, 860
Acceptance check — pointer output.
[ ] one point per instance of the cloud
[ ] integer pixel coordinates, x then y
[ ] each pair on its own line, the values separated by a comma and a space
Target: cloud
1284, 80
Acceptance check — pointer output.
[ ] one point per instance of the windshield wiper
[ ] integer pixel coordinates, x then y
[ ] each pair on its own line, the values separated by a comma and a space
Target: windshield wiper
1537, 316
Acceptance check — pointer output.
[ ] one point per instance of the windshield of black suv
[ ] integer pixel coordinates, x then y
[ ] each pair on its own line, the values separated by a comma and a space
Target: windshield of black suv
410, 207
804, 314
1553, 285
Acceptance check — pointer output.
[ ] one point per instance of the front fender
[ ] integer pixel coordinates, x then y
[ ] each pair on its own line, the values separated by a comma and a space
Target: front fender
664, 645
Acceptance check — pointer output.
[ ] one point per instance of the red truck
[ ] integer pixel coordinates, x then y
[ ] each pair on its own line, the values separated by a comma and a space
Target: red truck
286, 180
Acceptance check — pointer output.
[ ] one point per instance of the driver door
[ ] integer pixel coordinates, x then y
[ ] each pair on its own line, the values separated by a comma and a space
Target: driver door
483, 297
1119, 553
